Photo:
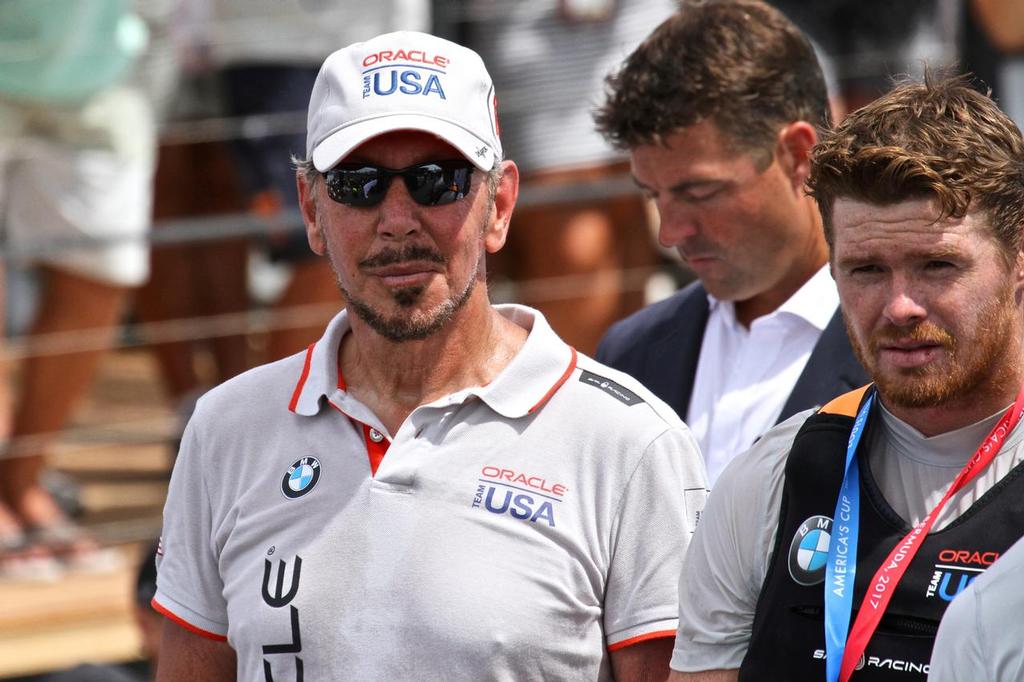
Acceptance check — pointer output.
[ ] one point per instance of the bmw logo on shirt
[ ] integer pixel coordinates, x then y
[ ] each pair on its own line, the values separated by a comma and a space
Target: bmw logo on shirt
808, 552
301, 477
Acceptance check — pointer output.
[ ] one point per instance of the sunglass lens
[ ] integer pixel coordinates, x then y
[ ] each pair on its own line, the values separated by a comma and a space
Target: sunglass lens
429, 184
436, 184
357, 186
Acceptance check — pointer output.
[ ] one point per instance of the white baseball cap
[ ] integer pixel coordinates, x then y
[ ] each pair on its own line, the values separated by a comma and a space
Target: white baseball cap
403, 81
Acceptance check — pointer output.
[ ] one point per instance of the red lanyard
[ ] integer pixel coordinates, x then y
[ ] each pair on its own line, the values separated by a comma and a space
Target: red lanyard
888, 575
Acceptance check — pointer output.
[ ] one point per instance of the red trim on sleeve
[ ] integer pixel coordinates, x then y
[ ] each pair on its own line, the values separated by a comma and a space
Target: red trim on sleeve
660, 634
302, 379
185, 624
558, 384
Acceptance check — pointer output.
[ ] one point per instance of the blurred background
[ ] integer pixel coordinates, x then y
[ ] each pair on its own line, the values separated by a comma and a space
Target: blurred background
150, 244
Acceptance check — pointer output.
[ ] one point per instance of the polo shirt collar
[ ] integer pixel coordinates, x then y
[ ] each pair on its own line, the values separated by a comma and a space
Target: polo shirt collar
537, 371
319, 377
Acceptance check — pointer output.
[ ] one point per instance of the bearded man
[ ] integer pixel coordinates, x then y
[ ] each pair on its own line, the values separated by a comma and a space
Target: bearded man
438, 488
837, 541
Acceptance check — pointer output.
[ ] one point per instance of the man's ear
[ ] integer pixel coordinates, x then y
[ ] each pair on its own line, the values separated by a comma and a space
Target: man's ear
496, 231
1018, 278
307, 206
793, 149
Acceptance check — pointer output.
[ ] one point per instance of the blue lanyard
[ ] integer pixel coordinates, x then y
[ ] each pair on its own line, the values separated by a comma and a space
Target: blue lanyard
841, 567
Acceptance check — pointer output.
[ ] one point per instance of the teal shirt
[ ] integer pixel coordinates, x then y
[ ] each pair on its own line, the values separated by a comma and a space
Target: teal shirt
63, 51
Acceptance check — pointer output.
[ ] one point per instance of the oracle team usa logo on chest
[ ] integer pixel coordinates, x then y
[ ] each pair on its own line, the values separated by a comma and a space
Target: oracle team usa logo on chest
522, 495
301, 477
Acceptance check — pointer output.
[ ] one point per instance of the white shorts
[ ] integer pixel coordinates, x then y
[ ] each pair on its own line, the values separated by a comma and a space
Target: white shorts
76, 185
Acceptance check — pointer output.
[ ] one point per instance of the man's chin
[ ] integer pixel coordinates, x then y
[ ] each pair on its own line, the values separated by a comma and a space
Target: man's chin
407, 297
917, 389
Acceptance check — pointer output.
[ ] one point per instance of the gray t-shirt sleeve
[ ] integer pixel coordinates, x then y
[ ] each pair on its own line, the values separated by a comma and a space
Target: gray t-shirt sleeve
189, 586
728, 558
957, 656
655, 519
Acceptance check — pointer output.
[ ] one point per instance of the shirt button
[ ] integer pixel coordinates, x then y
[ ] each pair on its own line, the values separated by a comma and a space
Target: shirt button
376, 436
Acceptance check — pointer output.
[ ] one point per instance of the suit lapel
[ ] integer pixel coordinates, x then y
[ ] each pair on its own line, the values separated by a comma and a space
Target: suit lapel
677, 361
831, 370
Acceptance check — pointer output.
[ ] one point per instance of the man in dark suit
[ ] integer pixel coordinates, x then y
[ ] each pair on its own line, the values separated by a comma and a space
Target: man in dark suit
719, 109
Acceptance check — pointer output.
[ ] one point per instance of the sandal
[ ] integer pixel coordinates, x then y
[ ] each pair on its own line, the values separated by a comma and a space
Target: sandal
74, 548
20, 559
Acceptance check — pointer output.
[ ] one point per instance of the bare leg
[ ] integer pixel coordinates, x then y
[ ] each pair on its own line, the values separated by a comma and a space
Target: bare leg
10, 529
52, 385
5, 370
192, 280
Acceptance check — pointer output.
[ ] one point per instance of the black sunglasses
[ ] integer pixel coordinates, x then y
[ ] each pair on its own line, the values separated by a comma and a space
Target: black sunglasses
434, 183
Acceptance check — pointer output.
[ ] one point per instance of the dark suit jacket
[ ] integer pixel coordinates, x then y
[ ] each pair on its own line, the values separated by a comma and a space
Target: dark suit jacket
660, 346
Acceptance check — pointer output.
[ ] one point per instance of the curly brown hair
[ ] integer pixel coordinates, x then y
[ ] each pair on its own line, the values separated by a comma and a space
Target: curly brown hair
938, 138
740, 63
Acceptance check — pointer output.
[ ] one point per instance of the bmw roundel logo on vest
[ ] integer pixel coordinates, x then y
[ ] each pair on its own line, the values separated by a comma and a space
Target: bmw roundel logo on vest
301, 477
808, 552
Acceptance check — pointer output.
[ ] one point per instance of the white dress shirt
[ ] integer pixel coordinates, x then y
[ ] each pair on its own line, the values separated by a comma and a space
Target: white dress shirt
744, 376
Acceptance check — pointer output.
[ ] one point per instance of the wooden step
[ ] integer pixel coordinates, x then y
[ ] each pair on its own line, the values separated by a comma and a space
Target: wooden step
82, 617
117, 451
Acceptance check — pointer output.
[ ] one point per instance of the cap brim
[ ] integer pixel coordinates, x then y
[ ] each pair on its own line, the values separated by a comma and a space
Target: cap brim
336, 146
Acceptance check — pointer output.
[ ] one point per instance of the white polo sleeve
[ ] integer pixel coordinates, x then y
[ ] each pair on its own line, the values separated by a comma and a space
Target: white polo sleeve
189, 586
655, 519
957, 655
728, 559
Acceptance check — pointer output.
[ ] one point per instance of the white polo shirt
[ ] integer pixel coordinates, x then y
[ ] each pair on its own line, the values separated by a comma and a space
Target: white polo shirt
518, 530
979, 637
744, 376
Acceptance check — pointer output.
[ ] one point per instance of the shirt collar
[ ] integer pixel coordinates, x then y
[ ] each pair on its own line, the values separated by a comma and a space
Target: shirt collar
815, 302
536, 372
320, 376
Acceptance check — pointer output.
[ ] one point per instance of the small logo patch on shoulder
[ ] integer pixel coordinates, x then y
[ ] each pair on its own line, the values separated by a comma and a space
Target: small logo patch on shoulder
617, 391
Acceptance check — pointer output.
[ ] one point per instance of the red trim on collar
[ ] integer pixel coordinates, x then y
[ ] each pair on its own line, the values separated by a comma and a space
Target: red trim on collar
558, 384
375, 451
341, 379
302, 379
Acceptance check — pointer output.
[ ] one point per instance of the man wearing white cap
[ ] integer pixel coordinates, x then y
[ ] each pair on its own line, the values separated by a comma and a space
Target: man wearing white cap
438, 488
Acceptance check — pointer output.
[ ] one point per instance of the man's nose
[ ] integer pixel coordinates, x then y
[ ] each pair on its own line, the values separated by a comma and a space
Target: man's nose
903, 306
676, 225
398, 214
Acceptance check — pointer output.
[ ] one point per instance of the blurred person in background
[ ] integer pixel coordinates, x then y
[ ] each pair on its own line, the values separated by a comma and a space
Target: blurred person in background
579, 238
863, 44
992, 48
77, 151
719, 109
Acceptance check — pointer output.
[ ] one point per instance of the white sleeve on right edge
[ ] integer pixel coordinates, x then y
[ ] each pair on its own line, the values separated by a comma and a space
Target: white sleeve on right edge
728, 558
956, 655
189, 587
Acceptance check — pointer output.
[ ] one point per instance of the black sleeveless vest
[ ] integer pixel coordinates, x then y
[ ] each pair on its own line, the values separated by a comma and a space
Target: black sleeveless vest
788, 640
